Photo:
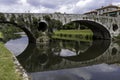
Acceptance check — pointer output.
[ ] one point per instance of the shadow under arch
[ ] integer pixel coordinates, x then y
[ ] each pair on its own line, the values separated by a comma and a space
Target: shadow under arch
99, 31
97, 48
31, 38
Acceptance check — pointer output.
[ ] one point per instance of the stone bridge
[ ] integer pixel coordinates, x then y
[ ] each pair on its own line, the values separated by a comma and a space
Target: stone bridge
103, 27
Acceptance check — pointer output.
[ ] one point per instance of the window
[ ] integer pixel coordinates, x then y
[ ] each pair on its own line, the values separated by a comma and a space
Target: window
113, 14
103, 10
115, 27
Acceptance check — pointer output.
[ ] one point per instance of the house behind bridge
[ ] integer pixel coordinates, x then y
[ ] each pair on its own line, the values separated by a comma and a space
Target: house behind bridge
110, 10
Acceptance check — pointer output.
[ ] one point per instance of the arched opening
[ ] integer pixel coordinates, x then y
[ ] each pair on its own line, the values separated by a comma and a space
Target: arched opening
42, 26
42, 58
114, 51
99, 31
31, 38
115, 27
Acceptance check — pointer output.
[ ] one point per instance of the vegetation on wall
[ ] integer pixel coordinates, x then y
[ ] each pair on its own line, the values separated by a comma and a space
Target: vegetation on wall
53, 24
2, 17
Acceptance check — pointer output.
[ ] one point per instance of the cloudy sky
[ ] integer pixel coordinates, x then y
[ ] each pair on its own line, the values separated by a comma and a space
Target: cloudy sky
51, 6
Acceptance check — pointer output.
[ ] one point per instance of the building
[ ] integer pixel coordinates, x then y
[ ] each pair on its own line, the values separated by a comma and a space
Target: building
110, 10
114, 13
91, 13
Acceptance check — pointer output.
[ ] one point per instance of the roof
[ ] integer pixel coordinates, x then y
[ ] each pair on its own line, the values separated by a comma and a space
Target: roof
109, 6
91, 12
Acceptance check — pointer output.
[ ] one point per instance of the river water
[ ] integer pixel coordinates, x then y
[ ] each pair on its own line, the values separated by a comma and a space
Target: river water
68, 60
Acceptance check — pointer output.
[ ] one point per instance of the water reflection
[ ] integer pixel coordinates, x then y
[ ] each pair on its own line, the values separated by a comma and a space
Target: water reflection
17, 46
52, 56
95, 72
71, 60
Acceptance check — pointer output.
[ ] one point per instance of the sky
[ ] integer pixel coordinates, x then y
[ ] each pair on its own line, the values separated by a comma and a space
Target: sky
51, 6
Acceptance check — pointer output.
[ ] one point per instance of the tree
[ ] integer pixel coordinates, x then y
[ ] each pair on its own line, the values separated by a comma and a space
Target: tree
83, 27
56, 24
2, 17
13, 18
52, 23
47, 18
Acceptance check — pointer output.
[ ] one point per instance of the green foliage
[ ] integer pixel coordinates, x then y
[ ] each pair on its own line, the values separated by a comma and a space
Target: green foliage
74, 32
117, 37
1, 35
20, 20
34, 24
83, 35
69, 26
83, 27
8, 32
13, 18
53, 24
56, 24
47, 18
2, 17
36, 34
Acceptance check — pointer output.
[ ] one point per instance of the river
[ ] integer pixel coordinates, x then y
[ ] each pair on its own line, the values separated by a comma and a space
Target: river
68, 60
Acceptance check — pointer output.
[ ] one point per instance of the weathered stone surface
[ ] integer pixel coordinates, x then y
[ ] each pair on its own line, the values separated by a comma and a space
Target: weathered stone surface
102, 26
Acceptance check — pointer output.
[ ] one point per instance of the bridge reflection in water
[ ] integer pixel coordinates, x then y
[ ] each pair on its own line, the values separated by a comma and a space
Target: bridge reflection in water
61, 54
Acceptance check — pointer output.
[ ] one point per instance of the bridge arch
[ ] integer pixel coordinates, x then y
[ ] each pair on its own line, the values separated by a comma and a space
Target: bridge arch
99, 31
43, 25
31, 38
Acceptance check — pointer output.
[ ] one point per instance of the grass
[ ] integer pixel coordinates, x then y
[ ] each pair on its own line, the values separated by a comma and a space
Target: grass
81, 35
7, 68
87, 31
1, 35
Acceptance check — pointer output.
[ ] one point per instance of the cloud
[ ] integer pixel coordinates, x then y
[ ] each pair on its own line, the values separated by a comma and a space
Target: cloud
66, 74
54, 4
8, 2
19, 48
43, 3
103, 68
87, 5
34, 2
51, 6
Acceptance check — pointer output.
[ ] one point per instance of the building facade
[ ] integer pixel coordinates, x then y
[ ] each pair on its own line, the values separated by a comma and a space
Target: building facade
110, 10
114, 13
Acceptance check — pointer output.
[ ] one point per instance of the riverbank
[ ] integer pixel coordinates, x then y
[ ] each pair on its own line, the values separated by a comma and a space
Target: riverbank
7, 66
81, 35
